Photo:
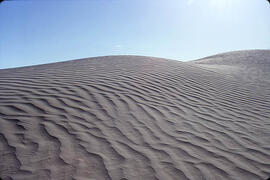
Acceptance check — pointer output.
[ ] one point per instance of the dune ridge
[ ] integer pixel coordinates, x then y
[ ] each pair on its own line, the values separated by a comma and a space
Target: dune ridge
135, 117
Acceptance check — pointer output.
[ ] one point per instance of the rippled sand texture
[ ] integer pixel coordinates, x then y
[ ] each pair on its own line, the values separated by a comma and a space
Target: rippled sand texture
132, 117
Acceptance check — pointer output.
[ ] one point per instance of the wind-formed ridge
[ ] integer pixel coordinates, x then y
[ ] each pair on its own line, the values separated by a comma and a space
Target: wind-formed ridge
135, 117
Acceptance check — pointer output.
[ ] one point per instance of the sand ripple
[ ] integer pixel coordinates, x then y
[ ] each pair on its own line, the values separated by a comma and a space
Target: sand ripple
131, 117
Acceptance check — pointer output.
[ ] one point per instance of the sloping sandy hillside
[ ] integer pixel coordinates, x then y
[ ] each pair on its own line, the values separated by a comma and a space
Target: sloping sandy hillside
133, 117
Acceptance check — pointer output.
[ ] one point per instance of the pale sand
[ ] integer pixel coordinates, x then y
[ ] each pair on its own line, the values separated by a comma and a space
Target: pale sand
132, 117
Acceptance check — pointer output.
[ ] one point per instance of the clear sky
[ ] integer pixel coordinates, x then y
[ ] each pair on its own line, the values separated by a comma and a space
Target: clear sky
38, 31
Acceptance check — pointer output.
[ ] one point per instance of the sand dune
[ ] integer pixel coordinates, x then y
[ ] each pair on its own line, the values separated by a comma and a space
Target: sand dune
133, 117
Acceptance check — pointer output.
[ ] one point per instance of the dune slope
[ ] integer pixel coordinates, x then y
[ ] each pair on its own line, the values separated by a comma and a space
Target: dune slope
133, 117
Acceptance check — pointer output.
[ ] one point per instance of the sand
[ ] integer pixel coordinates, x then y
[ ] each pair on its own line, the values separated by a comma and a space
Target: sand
135, 117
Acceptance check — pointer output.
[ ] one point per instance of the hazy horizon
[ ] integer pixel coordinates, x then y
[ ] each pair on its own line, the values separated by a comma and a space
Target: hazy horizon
39, 32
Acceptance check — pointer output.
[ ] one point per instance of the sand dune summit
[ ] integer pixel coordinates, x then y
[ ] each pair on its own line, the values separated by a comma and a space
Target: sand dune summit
133, 117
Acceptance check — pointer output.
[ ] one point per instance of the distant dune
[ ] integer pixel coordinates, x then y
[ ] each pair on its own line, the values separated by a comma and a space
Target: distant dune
137, 118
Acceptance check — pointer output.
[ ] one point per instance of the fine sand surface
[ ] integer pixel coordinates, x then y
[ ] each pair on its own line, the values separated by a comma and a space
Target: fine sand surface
137, 118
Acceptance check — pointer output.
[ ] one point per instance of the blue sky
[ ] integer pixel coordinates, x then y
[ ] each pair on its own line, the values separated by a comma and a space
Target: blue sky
38, 31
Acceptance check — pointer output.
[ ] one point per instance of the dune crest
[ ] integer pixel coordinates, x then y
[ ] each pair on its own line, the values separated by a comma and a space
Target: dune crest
135, 117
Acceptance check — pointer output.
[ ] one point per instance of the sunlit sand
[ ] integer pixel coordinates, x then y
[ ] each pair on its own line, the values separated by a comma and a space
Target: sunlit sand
135, 117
